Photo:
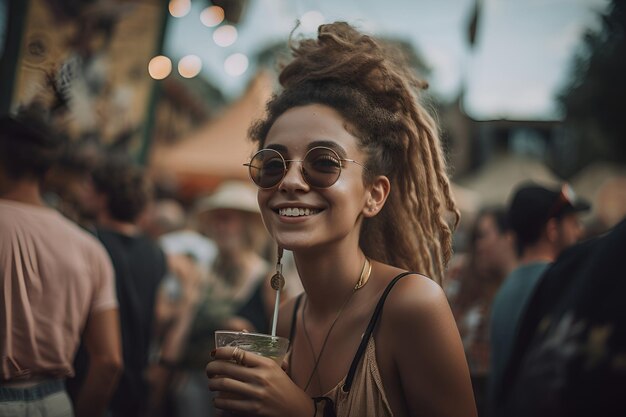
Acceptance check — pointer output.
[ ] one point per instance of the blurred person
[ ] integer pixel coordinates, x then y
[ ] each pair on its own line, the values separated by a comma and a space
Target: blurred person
492, 256
185, 248
230, 217
124, 192
182, 236
189, 257
351, 179
165, 215
57, 283
236, 294
609, 206
610, 203
545, 223
68, 185
569, 357
494, 243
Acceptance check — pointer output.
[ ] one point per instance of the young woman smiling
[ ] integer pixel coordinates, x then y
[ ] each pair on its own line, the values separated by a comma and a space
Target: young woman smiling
352, 180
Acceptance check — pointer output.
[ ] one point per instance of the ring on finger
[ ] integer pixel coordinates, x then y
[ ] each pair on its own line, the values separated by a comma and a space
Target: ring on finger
238, 355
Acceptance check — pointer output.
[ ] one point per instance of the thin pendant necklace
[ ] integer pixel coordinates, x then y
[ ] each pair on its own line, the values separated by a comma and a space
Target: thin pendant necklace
363, 278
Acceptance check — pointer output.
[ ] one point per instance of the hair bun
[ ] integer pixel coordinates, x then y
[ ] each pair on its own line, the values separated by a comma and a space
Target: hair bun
343, 55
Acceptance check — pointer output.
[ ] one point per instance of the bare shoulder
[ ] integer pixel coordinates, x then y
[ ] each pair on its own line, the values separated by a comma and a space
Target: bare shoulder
415, 301
418, 332
416, 291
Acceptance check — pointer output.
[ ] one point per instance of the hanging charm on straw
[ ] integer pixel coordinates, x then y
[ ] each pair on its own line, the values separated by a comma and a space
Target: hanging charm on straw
277, 280
278, 283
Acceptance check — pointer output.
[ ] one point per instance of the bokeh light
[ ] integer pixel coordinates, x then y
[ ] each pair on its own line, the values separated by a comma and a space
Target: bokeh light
179, 8
212, 16
311, 20
225, 35
159, 67
236, 64
189, 66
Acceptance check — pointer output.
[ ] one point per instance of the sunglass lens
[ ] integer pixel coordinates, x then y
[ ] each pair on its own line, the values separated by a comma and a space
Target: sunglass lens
267, 168
322, 167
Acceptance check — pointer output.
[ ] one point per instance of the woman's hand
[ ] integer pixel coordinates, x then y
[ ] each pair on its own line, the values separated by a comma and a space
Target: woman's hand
257, 387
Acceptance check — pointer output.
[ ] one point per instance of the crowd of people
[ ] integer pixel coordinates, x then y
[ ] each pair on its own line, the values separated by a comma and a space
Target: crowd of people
514, 251
111, 293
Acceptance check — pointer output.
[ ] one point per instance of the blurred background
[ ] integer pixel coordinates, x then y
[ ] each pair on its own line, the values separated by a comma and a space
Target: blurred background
521, 89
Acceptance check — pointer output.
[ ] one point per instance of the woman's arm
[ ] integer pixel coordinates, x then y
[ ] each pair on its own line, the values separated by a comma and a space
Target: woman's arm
427, 350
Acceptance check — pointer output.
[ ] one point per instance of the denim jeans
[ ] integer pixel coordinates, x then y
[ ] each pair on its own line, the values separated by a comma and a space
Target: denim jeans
47, 399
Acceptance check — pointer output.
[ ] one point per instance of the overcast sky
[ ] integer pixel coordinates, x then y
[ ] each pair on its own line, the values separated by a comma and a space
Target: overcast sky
520, 60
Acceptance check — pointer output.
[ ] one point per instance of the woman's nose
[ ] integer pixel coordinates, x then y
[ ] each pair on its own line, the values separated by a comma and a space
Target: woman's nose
294, 178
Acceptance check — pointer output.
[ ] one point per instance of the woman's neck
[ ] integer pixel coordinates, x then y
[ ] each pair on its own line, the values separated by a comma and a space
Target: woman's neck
329, 277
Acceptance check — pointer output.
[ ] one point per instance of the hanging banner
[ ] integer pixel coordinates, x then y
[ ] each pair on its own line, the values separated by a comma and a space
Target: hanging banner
87, 61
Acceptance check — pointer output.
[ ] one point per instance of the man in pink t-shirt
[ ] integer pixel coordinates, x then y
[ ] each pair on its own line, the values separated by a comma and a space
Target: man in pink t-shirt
56, 284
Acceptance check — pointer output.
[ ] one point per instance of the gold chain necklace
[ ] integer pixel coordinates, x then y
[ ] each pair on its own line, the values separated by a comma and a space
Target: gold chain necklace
363, 278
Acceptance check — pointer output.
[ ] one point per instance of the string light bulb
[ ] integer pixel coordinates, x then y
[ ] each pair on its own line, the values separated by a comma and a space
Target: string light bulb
159, 67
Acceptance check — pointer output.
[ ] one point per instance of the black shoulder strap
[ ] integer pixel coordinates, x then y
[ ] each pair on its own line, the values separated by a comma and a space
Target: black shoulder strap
294, 316
370, 329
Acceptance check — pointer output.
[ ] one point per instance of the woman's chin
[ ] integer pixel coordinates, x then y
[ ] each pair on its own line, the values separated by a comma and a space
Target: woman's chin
294, 244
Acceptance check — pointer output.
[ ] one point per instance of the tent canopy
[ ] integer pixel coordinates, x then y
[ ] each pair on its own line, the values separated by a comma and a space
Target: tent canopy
217, 150
495, 182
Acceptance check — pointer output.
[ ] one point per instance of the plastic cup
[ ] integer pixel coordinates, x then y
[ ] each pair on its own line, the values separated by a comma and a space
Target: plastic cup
273, 347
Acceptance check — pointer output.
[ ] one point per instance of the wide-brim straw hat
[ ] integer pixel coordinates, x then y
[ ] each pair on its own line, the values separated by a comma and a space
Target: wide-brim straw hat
233, 195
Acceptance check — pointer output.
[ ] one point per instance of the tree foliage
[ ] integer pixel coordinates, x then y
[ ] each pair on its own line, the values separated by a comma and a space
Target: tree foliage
594, 98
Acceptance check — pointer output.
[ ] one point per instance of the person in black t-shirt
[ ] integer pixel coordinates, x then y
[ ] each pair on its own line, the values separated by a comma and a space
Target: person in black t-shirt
569, 358
139, 263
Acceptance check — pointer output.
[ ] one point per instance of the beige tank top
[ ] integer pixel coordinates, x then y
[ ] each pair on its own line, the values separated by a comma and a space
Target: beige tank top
367, 395
361, 392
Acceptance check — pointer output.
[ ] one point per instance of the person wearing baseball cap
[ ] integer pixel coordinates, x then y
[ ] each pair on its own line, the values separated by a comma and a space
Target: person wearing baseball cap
545, 222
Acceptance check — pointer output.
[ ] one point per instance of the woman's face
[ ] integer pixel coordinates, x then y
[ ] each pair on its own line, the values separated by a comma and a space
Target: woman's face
330, 214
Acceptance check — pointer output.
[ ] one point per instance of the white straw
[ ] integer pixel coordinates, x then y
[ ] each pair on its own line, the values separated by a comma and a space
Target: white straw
275, 318
280, 281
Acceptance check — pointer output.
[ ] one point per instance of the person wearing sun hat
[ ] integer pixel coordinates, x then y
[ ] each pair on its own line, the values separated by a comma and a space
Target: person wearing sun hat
231, 194
546, 222
234, 296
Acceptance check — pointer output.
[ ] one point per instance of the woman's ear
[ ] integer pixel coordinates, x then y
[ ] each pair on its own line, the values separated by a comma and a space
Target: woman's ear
376, 196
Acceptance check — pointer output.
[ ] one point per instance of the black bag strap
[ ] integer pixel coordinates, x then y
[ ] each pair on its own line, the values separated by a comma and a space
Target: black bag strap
370, 329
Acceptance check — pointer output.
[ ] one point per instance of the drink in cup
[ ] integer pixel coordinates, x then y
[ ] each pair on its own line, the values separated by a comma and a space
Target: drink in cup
273, 347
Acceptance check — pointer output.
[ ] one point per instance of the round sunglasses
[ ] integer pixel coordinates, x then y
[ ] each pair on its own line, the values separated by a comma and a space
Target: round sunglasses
320, 167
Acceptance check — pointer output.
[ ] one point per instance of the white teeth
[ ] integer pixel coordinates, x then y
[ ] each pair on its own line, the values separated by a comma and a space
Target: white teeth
295, 211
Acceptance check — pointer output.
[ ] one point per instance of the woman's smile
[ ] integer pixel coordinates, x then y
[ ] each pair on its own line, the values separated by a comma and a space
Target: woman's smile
297, 212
